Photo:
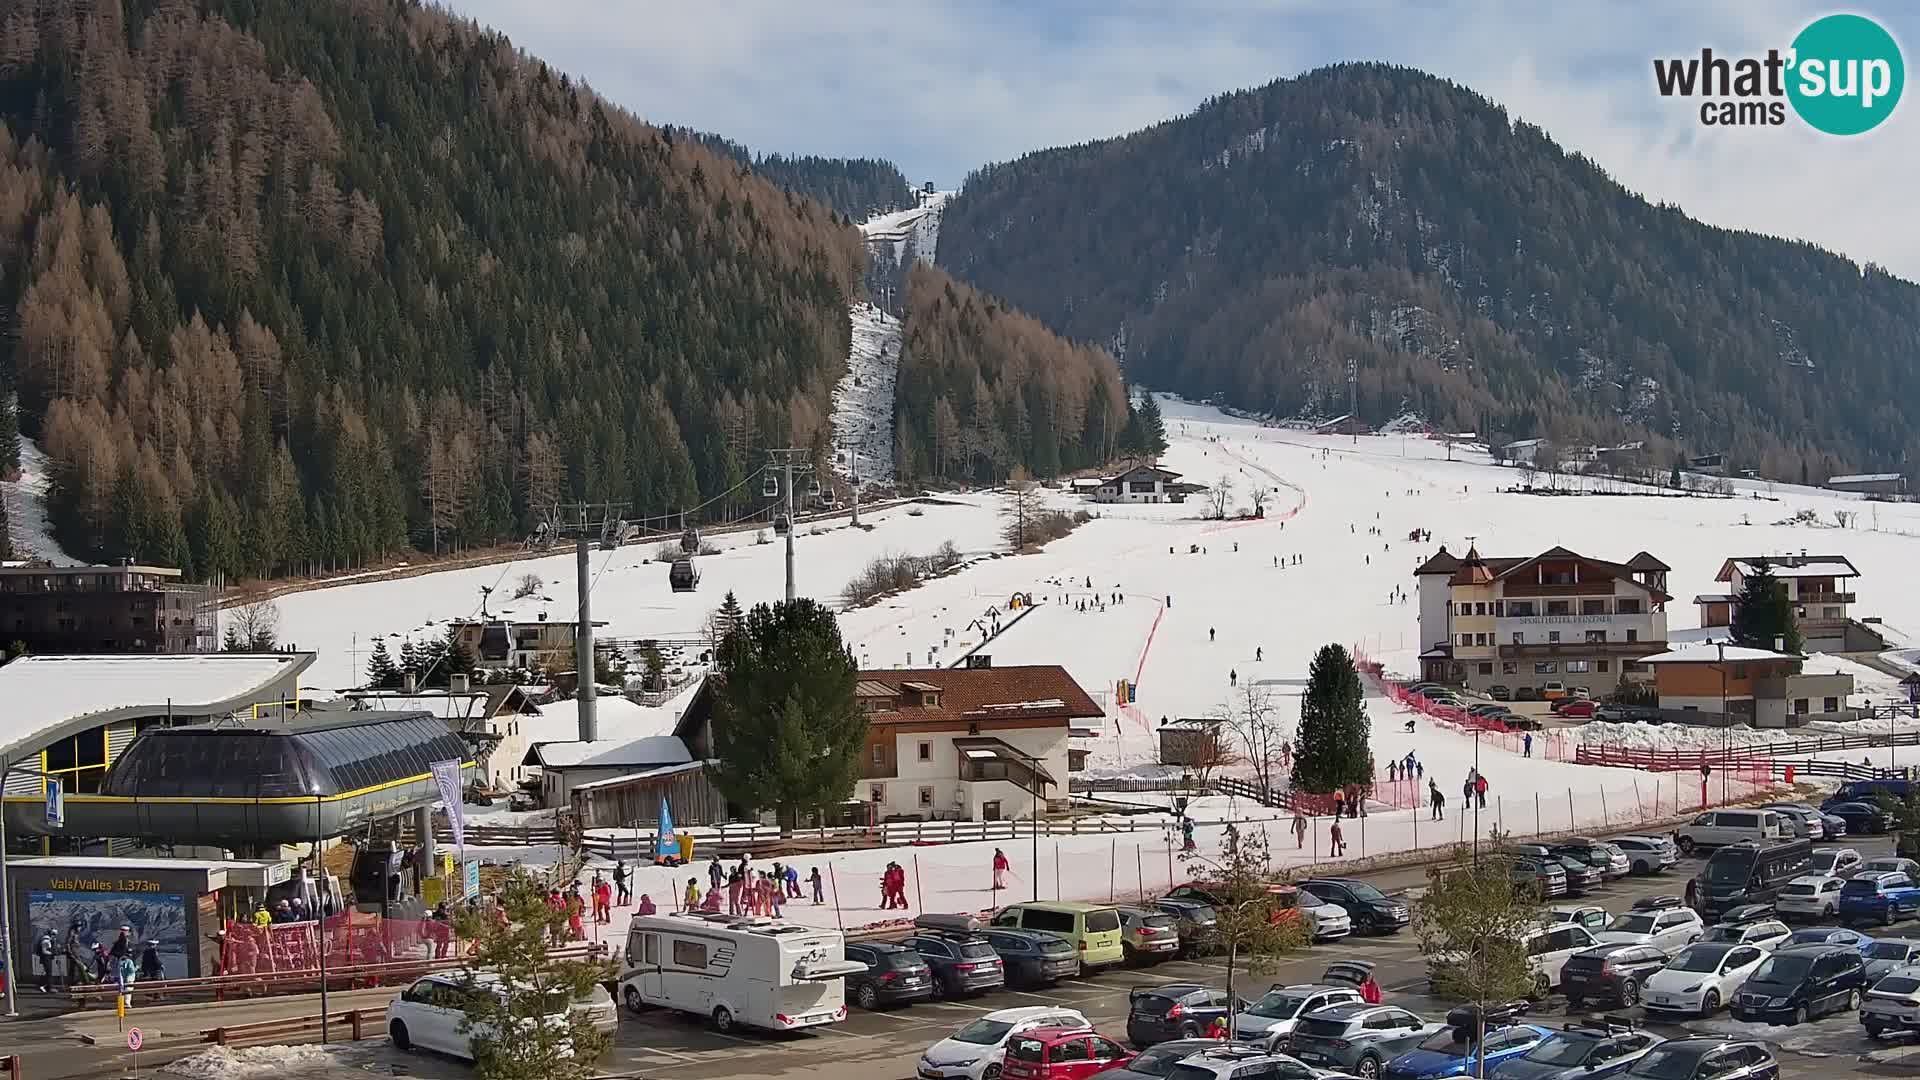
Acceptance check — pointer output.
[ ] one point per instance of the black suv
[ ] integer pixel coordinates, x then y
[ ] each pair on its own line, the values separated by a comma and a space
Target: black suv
1799, 982
1586, 1049
1371, 910
1033, 957
1613, 972
962, 961
1157, 1014
1706, 1057
895, 975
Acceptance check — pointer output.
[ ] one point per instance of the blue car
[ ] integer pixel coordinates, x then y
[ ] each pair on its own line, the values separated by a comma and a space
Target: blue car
1878, 896
1859, 818
1829, 935
1450, 1052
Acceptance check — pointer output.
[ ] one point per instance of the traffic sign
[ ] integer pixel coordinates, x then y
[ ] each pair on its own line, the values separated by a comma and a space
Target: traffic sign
472, 891
135, 1039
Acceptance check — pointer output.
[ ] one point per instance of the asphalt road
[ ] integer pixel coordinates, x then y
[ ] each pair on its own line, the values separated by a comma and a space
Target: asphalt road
885, 1045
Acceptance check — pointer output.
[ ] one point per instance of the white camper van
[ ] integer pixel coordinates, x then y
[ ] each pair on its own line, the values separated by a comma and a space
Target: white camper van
737, 970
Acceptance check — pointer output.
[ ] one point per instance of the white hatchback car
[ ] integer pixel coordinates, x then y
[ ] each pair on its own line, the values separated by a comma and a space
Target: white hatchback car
1667, 929
1812, 896
979, 1049
1701, 979
431, 1014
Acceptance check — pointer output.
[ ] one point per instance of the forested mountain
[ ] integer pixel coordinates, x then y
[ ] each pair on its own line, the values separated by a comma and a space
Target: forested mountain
982, 388
1471, 268
856, 188
297, 283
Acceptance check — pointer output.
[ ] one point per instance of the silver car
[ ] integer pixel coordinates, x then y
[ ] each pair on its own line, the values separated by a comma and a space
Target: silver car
1275, 1015
1356, 1038
1808, 823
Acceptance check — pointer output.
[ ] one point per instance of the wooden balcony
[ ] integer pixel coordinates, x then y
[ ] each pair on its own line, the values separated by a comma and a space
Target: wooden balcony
1548, 650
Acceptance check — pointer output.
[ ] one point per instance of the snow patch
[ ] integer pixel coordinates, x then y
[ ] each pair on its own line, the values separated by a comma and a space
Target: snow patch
260, 1062
863, 402
27, 508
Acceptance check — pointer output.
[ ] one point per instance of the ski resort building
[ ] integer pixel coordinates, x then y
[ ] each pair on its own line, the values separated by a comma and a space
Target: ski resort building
1722, 683
124, 608
1558, 616
1892, 483
969, 744
1820, 588
1143, 484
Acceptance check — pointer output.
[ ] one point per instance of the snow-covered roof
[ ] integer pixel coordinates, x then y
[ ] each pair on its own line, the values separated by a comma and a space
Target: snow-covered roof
609, 753
1864, 478
1704, 652
1791, 566
446, 706
51, 696
615, 718
644, 774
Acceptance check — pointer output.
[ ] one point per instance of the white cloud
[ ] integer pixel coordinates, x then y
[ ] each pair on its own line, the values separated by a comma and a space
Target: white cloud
942, 87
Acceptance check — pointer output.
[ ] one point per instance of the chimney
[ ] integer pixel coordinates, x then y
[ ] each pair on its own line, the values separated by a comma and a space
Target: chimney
1779, 643
457, 683
410, 682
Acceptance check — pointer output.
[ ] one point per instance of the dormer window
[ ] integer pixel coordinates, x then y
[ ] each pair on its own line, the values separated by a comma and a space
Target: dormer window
931, 701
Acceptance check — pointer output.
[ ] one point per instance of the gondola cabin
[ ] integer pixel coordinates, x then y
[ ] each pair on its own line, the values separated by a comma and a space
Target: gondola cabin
683, 577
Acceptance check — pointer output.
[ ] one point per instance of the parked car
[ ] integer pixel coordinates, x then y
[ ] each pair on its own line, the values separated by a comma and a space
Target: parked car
1800, 982
1831, 935
431, 1014
963, 962
1061, 1054
1499, 692
1767, 934
1155, 1062
1836, 826
1703, 977
1357, 1038
1329, 922
1178, 1010
1591, 916
1590, 1048
895, 975
1892, 1003
1279, 1010
1862, 819
1283, 901
1553, 691
1806, 821
1603, 856
978, 1050
1581, 876
1612, 972
1548, 949
1148, 937
1230, 1061
1867, 791
1809, 896
1543, 874
1882, 896
1627, 714
1033, 958
1707, 1057
1574, 708
1092, 929
1451, 1051
1717, 828
1894, 864
1666, 926
1580, 691
1371, 910
1887, 955
1525, 693
1196, 922
1841, 862
1647, 854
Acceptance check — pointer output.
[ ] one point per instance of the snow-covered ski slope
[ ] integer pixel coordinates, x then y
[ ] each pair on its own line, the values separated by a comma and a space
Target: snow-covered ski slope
1330, 491
915, 230
863, 402
26, 499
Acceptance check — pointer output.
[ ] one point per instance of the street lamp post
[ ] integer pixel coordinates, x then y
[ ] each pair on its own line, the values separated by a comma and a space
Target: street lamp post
1475, 786
1726, 723
320, 911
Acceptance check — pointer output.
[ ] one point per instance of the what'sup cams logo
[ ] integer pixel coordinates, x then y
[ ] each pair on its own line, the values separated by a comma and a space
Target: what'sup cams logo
1842, 75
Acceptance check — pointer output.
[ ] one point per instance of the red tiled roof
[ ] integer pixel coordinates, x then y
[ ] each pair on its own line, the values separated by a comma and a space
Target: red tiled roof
1037, 692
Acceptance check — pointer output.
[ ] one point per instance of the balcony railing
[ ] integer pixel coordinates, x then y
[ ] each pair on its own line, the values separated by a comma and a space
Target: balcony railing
1825, 598
1000, 769
1547, 649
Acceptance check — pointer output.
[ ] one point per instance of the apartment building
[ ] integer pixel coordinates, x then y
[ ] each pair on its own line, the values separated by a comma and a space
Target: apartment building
1558, 616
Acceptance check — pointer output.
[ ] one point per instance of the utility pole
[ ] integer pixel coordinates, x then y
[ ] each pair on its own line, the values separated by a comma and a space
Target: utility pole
1353, 399
856, 491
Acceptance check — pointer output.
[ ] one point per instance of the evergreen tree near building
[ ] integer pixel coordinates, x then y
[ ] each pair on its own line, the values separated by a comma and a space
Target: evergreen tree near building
1764, 613
786, 730
1675, 481
455, 658
410, 661
1153, 428
1330, 750
382, 672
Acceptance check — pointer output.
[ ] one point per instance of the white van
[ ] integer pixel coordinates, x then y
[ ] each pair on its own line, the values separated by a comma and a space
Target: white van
1718, 828
737, 970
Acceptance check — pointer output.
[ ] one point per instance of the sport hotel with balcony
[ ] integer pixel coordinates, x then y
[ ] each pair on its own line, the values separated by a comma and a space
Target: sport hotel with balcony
1558, 616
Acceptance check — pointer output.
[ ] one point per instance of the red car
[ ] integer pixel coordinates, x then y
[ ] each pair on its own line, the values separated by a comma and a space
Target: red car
1061, 1054
1578, 708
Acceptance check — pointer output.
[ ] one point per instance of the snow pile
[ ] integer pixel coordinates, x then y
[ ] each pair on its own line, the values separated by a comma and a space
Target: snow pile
863, 402
26, 500
1869, 684
1676, 736
260, 1062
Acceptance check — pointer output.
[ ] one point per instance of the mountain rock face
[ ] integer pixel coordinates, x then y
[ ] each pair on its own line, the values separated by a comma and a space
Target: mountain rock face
1468, 268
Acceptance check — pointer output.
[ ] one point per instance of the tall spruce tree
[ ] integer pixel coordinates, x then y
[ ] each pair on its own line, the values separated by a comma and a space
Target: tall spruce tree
786, 731
1331, 749
382, 672
1153, 428
1765, 617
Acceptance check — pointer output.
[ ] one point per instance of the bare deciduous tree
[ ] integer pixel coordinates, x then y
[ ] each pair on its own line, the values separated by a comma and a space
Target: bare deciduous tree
252, 626
1259, 494
1021, 508
1220, 497
1257, 727
527, 585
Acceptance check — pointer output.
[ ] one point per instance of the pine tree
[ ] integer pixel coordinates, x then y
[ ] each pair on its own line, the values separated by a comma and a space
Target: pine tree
786, 731
1675, 481
410, 661
9, 432
1331, 749
1153, 428
1764, 616
382, 672
455, 658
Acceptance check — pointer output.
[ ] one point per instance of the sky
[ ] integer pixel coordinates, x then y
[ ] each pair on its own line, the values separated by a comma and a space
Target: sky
941, 87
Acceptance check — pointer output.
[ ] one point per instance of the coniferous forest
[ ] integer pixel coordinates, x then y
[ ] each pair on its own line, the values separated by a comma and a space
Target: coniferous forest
856, 188
1473, 271
294, 284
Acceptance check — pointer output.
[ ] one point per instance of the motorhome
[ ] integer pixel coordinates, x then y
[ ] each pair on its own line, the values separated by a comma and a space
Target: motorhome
737, 970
